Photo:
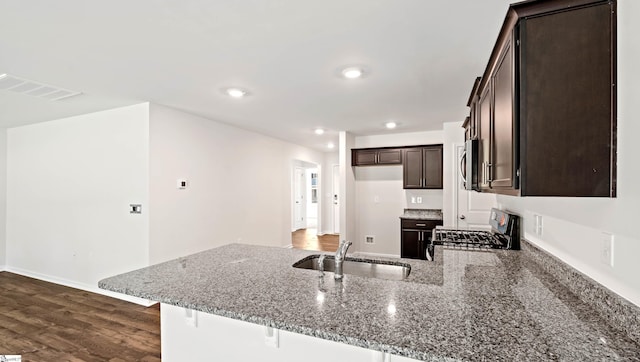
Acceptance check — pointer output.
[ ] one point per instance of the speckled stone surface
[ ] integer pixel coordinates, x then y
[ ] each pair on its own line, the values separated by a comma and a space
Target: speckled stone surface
610, 306
422, 214
464, 306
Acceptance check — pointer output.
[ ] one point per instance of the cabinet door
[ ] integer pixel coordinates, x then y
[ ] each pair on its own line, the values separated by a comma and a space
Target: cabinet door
412, 168
484, 137
410, 246
364, 157
568, 103
432, 167
390, 156
473, 119
467, 129
501, 169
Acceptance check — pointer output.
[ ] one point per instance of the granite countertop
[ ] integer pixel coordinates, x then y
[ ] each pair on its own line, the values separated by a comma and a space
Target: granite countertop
422, 214
465, 305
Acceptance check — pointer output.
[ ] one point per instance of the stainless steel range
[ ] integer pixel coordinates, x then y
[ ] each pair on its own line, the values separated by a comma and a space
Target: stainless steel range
504, 234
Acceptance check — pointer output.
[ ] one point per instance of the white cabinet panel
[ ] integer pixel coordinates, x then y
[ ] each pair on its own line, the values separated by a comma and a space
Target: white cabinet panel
210, 337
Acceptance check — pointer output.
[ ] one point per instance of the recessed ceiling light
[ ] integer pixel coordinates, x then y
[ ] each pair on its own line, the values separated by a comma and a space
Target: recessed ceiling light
319, 131
390, 125
236, 92
330, 145
352, 72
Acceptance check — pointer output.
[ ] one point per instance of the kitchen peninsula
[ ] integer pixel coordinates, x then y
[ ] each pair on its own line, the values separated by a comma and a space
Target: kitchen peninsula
465, 305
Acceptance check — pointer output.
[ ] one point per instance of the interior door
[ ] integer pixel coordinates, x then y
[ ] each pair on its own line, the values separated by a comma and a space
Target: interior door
472, 208
334, 199
299, 204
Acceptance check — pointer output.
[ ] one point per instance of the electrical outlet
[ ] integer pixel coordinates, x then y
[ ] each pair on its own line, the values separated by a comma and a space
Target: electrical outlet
419, 199
606, 249
413, 199
376, 199
538, 225
368, 239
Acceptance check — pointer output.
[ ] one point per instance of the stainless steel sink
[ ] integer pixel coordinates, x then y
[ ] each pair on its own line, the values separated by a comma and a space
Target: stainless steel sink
360, 267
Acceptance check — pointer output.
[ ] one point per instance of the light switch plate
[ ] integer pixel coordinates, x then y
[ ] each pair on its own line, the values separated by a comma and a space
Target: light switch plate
606, 249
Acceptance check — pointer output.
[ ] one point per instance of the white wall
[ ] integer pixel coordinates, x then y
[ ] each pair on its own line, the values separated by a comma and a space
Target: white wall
69, 186
380, 198
400, 139
453, 136
312, 208
3, 198
347, 195
329, 160
572, 227
240, 185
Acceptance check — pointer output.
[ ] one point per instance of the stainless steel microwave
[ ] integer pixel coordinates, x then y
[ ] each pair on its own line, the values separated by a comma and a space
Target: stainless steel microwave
469, 165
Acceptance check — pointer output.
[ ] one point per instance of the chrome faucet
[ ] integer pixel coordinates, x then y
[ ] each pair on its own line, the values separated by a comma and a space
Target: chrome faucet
340, 254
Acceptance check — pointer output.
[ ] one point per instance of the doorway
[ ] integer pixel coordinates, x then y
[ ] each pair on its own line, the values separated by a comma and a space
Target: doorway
335, 200
299, 203
308, 210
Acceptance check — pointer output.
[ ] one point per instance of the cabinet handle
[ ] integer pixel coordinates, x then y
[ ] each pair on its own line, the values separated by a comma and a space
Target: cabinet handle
484, 173
463, 160
421, 224
489, 176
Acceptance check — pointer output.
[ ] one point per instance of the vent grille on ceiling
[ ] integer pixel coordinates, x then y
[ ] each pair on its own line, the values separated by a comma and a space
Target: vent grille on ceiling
35, 89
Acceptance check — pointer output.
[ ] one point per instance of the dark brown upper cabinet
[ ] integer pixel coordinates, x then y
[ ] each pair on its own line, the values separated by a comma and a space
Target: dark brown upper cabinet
471, 122
544, 109
422, 167
376, 156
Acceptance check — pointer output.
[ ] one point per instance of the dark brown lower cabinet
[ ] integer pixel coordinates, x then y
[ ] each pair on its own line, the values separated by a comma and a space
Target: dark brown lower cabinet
415, 237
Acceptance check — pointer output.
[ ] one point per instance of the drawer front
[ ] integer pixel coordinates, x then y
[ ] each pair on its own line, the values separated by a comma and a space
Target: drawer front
420, 224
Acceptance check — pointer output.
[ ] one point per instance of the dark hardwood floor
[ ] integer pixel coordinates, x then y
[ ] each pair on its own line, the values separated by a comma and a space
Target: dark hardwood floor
48, 322
309, 240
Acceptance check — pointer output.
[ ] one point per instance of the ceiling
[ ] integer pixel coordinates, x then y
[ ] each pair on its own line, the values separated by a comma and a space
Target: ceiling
420, 57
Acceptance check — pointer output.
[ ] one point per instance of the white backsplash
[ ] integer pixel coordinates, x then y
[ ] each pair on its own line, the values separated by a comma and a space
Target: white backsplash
423, 199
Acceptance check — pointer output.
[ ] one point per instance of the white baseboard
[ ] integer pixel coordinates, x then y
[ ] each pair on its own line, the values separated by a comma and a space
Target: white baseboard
81, 286
376, 255
288, 246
